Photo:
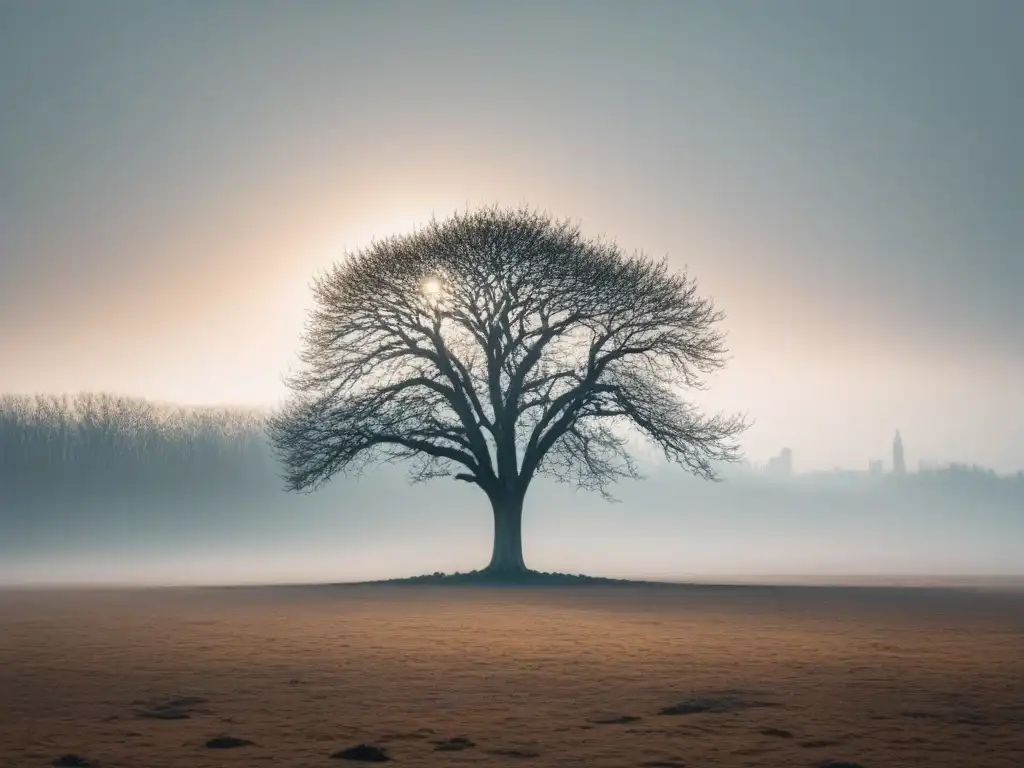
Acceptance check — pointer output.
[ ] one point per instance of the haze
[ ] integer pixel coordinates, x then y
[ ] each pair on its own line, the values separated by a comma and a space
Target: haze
846, 179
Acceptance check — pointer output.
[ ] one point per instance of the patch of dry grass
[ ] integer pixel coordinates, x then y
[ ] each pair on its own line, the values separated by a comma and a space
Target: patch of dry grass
438, 676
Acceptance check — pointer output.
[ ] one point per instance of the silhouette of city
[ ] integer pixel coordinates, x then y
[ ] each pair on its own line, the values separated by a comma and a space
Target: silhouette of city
783, 466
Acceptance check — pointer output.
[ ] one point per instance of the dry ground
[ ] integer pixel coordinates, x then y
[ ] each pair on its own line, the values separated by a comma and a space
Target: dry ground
881, 677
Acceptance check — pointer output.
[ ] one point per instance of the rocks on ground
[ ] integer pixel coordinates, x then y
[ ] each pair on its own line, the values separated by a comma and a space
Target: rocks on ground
366, 753
72, 761
227, 742
454, 744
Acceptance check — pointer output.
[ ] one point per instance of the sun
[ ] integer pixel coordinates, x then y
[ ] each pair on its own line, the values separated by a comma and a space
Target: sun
431, 288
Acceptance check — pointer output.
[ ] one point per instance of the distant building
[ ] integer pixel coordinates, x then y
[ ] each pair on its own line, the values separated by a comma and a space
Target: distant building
787, 461
899, 465
875, 467
781, 465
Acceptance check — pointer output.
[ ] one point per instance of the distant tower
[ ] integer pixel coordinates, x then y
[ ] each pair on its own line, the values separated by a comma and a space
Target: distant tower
781, 465
787, 462
899, 465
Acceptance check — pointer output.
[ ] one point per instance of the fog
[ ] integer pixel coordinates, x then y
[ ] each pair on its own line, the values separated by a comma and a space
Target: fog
668, 527
843, 179
156, 506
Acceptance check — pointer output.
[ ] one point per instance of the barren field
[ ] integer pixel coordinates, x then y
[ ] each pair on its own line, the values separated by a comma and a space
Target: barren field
464, 676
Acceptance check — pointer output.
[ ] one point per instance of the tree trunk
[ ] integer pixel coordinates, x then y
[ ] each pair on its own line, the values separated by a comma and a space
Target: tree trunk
507, 554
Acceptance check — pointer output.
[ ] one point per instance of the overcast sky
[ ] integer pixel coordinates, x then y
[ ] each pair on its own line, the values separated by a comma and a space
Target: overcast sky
845, 178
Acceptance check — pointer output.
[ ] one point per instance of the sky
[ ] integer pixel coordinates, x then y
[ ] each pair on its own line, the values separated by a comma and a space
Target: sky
846, 179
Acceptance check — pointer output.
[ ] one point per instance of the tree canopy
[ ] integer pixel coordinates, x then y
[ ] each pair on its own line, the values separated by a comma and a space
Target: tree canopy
500, 345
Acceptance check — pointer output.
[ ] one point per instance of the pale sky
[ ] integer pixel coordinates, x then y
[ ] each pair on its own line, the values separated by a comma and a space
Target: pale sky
845, 178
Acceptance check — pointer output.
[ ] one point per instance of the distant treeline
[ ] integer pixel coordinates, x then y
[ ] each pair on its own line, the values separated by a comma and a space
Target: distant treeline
104, 445
51, 444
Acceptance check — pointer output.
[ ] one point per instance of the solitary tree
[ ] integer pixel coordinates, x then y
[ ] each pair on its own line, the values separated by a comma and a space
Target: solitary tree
497, 346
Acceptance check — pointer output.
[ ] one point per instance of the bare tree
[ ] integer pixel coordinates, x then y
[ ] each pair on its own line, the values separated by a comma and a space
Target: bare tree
496, 346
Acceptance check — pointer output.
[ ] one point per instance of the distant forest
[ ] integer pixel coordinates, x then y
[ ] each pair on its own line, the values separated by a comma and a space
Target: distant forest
55, 445
61, 445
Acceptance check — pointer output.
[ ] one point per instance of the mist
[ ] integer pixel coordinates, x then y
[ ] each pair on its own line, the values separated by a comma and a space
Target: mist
844, 180
669, 527
109, 504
